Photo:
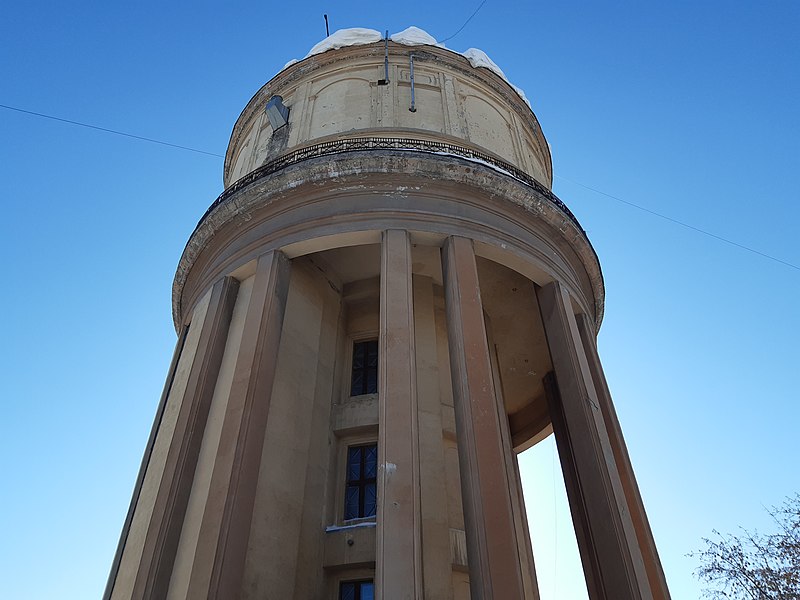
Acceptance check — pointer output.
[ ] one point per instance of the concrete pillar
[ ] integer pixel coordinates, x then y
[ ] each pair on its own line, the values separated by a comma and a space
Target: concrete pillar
123, 580
644, 535
137, 489
436, 562
494, 564
521, 530
169, 509
606, 538
398, 553
224, 534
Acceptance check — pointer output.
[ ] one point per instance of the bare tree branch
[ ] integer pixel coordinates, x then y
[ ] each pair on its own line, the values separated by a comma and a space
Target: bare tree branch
752, 565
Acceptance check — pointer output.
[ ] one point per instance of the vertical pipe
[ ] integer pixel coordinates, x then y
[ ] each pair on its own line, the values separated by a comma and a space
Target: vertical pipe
386, 58
412, 108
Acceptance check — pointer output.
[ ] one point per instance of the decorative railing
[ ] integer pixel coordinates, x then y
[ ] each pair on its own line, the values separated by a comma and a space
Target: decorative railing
360, 144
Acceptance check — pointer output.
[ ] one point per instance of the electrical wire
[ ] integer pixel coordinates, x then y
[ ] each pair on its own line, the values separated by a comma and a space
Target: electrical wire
114, 131
591, 189
460, 29
683, 224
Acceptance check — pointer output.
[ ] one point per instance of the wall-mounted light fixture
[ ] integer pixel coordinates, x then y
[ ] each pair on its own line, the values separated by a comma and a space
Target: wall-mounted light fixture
278, 113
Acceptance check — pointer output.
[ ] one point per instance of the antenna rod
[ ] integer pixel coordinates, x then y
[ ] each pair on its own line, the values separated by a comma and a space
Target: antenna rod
327, 31
412, 108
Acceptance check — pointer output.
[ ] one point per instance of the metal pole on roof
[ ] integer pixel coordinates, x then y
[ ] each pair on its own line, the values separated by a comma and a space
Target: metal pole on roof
412, 108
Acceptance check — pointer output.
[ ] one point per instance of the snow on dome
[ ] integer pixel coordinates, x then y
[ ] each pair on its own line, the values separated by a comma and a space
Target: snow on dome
478, 58
355, 36
414, 36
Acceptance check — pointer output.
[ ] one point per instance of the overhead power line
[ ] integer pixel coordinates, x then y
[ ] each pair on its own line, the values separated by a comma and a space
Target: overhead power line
114, 131
683, 224
460, 29
591, 189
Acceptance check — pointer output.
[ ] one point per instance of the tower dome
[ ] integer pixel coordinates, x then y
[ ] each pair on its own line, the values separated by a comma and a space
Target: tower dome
384, 306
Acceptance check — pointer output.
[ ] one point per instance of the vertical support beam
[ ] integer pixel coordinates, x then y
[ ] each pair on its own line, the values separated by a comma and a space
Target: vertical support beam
137, 488
494, 565
169, 509
436, 559
521, 530
644, 535
225, 532
524, 545
577, 506
606, 538
398, 557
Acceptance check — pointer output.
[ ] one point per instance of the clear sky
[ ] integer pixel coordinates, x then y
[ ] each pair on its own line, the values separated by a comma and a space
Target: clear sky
689, 109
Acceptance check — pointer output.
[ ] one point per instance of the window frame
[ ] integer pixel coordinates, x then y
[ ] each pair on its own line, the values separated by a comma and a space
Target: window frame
354, 342
366, 436
357, 583
362, 483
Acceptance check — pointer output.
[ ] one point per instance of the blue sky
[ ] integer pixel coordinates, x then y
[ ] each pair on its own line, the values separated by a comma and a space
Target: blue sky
687, 109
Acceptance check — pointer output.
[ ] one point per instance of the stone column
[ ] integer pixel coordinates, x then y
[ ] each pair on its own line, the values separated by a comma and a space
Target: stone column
398, 574
494, 562
436, 560
224, 533
169, 509
603, 527
635, 506
137, 489
522, 531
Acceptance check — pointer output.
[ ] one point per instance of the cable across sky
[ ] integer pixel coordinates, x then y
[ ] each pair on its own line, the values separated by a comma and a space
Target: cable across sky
591, 189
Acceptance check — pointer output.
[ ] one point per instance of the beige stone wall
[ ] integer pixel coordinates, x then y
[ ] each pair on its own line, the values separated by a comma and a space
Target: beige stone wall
287, 515
335, 95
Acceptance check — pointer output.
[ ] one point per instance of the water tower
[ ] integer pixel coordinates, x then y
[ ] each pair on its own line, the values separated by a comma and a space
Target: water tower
385, 305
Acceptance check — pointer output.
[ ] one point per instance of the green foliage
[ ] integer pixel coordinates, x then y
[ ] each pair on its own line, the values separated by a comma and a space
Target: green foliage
754, 566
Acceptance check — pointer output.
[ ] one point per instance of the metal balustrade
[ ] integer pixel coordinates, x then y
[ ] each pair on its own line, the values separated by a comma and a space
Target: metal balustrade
360, 144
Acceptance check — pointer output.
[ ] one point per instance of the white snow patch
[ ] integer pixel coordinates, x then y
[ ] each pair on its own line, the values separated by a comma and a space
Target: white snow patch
521, 94
355, 36
478, 58
289, 64
414, 36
